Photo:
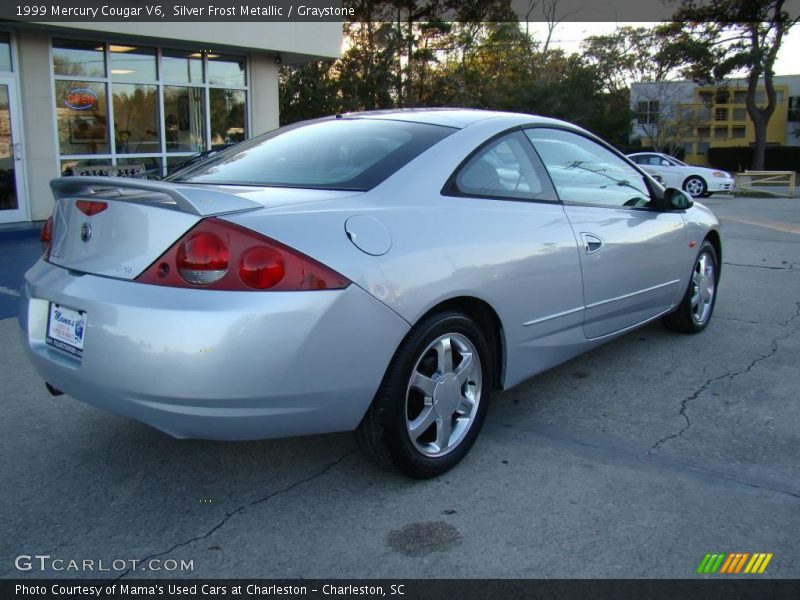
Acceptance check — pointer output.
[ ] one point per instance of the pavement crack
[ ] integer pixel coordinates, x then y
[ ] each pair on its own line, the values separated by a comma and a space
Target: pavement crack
240, 509
635, 455
730, 375
745, 321
771, 268
682, 412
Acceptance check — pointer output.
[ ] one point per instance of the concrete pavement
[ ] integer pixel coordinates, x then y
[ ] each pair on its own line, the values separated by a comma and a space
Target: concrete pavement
631, 461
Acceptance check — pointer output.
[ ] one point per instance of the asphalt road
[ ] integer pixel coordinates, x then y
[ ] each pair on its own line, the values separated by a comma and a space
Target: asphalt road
634, 460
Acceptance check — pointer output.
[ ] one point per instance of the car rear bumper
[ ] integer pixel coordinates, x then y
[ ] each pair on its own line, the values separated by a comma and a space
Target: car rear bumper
214, 364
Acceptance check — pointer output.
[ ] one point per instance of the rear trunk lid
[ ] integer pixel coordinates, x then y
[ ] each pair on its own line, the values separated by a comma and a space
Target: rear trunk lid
142, 219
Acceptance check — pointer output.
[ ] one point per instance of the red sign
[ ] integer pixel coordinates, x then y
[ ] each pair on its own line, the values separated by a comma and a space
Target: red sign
81, 99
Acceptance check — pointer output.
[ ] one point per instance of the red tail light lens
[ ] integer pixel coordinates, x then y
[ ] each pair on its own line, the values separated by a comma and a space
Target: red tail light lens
202, 257
46, 236
261, 267
91, 207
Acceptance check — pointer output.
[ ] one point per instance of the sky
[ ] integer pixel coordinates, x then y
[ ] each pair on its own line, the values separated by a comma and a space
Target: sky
568, 36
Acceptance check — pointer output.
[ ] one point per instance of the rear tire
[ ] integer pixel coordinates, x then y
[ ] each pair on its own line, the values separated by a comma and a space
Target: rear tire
695, 310
433, 399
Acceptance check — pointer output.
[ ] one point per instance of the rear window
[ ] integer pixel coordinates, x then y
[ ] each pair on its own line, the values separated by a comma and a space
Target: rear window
347, 154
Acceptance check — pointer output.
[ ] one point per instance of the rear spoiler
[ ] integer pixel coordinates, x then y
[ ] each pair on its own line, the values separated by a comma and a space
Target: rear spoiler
199, 201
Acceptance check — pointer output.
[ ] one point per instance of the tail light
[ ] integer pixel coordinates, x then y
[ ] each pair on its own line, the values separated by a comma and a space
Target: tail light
217, 255
91, 207
202, 259
46, 236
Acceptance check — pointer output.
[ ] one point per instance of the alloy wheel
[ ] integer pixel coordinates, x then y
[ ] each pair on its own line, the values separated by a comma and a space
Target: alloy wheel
703, 288
443, 394
695, 187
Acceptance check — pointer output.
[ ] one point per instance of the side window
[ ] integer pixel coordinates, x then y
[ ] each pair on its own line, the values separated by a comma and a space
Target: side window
584, 172
504, 168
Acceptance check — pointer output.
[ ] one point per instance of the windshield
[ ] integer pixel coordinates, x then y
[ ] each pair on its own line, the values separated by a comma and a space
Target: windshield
343, 153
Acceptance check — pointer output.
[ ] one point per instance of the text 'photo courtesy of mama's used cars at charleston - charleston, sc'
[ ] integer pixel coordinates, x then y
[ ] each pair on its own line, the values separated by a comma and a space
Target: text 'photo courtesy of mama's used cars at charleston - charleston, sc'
381, 272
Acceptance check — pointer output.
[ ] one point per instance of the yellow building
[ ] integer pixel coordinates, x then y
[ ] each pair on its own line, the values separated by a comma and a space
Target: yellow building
720, 120
694, 117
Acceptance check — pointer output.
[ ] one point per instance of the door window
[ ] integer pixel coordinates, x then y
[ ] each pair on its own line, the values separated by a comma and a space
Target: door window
584, 172
504, 168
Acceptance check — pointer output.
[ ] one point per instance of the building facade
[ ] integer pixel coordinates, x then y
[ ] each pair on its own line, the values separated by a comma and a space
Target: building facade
683, 115
123, 98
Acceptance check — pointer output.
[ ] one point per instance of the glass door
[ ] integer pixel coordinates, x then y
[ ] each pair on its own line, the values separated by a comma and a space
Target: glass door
13, 199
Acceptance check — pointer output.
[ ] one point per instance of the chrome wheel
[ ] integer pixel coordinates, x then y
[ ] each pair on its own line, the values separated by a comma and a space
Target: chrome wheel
443, 395
703, 288
695, 186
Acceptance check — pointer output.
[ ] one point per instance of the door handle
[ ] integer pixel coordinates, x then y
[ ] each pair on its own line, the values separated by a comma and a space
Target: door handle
17, 151
591, 243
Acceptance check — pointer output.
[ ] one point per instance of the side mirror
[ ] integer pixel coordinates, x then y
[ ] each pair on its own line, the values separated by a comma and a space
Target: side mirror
675, 199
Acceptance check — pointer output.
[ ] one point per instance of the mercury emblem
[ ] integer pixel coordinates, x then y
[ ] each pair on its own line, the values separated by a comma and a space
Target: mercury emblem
86, 232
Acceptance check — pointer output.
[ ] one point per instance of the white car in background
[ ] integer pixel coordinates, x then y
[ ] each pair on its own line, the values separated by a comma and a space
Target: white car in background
700, 182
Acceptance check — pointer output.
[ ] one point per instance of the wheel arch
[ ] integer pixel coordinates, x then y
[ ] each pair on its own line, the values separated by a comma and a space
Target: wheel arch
488, 320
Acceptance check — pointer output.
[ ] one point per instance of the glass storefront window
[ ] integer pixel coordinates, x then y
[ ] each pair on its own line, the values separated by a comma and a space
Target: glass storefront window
83, 166
184, 119
149, 166
132, 63
177, 162
81, 115
226, 70
147, 108
227, 116
180, 66
79, 59
5, 51
135, 118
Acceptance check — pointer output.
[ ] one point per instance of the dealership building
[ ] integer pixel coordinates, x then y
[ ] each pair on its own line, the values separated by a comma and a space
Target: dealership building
122, 98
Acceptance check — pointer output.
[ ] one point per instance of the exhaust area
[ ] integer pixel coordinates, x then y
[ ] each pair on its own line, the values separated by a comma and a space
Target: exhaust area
54, 391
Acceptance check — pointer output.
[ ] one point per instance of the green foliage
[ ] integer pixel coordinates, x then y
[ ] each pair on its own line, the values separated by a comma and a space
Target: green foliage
739, 37
403, 54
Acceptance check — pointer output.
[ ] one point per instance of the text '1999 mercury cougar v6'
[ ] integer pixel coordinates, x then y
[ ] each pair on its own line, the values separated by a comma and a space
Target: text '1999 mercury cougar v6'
381, 272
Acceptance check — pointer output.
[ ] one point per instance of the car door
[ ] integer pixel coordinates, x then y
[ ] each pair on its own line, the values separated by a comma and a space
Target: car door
627, 249
524, 250
671, 171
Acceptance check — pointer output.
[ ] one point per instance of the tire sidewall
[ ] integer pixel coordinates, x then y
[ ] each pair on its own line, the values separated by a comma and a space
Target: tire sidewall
706, 248
407, 356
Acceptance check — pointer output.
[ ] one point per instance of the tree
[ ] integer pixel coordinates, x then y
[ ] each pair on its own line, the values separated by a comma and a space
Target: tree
667, 118
741, 36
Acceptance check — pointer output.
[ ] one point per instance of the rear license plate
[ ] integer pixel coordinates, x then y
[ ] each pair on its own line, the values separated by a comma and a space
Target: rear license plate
66, 328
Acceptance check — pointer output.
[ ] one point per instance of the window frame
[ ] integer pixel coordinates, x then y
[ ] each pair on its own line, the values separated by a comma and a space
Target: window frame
162, 155
648, 181
649, 115
450, 187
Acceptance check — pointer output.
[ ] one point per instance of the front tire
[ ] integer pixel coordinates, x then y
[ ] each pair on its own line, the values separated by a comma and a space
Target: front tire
696, 186
433, 399
695, 310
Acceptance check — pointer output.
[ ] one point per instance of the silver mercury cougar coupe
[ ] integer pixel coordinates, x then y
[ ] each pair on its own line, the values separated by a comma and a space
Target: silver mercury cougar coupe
381, 272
